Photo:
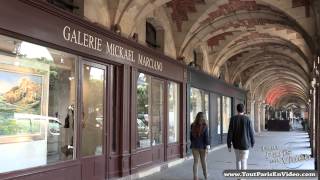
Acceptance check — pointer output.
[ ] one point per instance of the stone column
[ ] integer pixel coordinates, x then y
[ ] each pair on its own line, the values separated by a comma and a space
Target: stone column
252, 113
313, 121
257, 116
263, 117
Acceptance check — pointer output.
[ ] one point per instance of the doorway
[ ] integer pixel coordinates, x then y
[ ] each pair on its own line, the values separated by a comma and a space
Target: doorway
150, 115
93, 121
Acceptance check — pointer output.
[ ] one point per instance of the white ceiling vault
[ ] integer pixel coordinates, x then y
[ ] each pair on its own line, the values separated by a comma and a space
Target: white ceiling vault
266, 45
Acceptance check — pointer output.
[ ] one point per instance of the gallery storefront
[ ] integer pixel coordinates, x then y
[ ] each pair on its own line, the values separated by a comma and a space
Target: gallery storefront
216, 99
80, 102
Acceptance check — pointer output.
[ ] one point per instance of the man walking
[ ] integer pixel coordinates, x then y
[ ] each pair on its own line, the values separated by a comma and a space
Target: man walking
241, 136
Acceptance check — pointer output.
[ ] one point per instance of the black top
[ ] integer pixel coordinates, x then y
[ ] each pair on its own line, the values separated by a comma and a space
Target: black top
200, 142
240, 133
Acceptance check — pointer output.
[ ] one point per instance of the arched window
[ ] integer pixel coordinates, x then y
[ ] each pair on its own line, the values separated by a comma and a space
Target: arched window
195, 56
154, 34
151, 35
68, 5
198, 58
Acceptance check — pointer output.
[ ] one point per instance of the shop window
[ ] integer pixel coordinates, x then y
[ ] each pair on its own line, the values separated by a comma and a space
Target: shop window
157, 111
226, 115
219, 115
37, 105
149, 111
93, 110
173, 110
199, 102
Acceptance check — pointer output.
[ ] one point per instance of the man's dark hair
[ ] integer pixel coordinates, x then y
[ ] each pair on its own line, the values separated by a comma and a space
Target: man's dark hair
240, 108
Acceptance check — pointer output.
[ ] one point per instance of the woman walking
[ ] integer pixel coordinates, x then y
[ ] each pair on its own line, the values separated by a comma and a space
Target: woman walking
199, 144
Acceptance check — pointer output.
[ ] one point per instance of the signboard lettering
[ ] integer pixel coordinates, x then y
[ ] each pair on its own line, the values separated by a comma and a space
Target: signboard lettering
150, 63
82, 39
112, 49
119, 51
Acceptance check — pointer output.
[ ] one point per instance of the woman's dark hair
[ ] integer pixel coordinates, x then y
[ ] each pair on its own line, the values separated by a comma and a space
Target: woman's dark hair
198, 125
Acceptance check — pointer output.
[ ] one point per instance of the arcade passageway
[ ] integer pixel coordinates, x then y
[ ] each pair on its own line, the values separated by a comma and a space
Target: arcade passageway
267, 142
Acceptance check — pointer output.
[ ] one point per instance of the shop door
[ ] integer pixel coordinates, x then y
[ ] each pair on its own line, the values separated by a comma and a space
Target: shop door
157, 120
92, 142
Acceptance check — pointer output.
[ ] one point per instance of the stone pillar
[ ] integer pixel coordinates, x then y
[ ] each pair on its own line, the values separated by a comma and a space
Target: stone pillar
257, 116
252, 113
263, 117
313, 123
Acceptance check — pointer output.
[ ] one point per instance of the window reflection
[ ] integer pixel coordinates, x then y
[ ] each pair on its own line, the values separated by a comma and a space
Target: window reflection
199, 102
143, 125
173, 109
219, 115
37, 98
226, 104
93, 108
149, 111
157, 111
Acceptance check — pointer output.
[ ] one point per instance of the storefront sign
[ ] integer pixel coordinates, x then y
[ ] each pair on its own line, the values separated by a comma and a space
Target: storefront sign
111, 49
82, 39
150, 63
120, 52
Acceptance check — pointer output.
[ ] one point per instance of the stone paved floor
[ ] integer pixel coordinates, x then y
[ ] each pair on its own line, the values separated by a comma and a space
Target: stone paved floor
295, 141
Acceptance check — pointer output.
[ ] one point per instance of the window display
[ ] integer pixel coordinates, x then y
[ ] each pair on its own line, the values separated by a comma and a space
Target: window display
143, 111
219, 115
149, 111
226, 108
93, 110
199, 102
173, 110
37, 99
156, 111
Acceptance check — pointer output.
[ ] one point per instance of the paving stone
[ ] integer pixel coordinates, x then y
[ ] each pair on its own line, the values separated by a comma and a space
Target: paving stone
221, 159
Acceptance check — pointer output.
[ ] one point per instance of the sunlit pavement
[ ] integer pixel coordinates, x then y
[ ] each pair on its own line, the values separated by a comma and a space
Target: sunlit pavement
269, 147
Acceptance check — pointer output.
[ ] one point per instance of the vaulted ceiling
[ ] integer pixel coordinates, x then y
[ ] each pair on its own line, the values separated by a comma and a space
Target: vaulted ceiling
268, 46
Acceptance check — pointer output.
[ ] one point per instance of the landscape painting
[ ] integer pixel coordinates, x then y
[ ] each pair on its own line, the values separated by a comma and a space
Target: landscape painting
20, 93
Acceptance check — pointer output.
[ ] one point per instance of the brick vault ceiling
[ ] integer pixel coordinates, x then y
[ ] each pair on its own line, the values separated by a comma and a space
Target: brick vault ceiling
267, 45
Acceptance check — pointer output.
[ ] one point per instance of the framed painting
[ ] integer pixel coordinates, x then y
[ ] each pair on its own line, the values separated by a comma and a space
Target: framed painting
20, 93
22, 98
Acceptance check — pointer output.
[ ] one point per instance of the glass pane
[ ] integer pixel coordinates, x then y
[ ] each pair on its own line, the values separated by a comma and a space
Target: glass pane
173, 109
93, 109
195, 103
157, 111
206, 105
226, 101
219, 115
199, 102
149, 111
143, 104
37, 103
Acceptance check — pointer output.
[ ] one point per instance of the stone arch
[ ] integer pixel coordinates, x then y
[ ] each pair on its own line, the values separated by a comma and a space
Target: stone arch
255, 44
263, 58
